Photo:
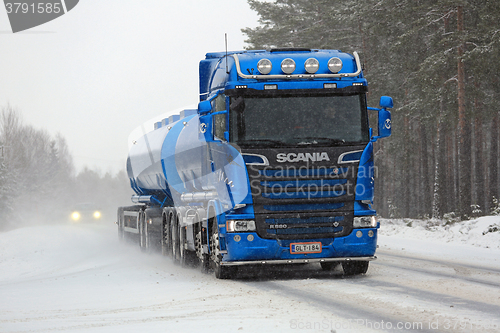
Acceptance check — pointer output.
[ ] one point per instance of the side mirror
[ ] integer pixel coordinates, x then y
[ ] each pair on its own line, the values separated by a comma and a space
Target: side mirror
384, 118
386, 102
384, 123
204, 107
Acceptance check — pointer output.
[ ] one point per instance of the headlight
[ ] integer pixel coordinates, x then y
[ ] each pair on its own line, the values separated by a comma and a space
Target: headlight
335, 65
97, 214
75, 216
240, 225
288, 66
311, 65
264, 66
365, 222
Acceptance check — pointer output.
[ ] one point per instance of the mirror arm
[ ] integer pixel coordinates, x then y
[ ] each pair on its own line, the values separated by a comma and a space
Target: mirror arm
218, 112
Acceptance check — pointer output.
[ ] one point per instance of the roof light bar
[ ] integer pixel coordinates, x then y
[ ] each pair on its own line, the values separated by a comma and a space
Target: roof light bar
302, 76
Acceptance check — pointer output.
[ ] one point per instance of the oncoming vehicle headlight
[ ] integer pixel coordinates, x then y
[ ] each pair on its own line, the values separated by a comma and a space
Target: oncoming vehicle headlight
365, 222
264, 66
97, 214
335, 65
240, 225
75, 216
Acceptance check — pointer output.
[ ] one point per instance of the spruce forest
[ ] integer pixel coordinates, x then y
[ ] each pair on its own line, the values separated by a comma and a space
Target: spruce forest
440, 61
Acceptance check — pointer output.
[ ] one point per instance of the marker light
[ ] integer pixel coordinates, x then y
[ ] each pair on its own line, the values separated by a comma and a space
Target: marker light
75, 216
335, 65
330, 85
264, 66
311, 65
97, 214
288, 66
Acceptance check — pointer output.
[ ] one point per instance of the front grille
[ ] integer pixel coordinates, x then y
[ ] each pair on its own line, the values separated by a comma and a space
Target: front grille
303, 201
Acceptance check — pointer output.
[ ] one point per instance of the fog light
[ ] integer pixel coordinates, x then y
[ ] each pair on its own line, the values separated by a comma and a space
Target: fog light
359, 234
75, 216
250, 238
97, 215
370, 233
237, 238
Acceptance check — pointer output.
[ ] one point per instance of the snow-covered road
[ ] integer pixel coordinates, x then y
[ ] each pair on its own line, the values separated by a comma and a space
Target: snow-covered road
79, 278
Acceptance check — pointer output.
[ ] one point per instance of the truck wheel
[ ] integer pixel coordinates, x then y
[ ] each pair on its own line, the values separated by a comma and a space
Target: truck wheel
355, 267
147, 237
183, 253
120, 225
166, 237
202, 257
174, 231
221, 272
142, 232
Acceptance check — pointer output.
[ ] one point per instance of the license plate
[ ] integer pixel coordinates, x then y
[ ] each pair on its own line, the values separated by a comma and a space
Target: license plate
305, 248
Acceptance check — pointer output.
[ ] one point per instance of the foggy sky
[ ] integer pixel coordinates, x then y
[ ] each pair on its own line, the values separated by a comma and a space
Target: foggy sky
107, 66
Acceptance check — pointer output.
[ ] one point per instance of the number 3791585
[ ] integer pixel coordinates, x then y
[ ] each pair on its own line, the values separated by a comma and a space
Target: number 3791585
40, 8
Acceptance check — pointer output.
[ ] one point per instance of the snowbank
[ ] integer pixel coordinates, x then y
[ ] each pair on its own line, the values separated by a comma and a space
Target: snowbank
482, 232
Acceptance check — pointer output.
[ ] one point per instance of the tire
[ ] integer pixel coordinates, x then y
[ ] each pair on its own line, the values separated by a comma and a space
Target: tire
221, 272
183, 255
329, 265
166, 236
121, 236
143, 233
355, 267
174, 231
203, 258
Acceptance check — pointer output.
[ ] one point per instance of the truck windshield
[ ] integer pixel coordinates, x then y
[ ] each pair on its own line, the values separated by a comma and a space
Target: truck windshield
299, 120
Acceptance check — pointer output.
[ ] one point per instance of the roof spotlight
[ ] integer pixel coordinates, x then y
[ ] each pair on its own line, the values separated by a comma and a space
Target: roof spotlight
288, 66
335, 65
311, 65
264, 66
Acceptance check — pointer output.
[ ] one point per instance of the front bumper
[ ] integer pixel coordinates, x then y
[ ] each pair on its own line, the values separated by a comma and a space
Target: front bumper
250, 249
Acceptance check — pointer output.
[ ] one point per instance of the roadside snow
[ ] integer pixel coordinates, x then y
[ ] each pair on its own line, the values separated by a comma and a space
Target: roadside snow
475, 243
482, 232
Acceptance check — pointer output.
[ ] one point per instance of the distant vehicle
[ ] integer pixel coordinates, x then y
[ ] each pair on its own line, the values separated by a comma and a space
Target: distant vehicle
85, 212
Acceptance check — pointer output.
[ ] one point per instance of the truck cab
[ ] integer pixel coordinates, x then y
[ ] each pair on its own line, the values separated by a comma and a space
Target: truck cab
299, 118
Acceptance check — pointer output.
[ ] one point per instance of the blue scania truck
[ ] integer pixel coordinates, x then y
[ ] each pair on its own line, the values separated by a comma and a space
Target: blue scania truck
274, 166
